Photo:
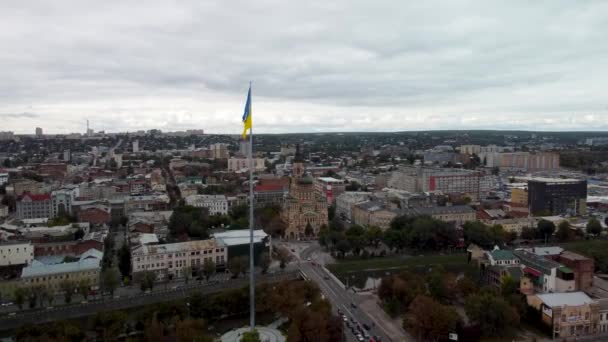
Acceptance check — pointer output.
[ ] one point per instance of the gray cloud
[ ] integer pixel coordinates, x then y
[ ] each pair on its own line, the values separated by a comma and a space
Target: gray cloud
23, 115
316, 66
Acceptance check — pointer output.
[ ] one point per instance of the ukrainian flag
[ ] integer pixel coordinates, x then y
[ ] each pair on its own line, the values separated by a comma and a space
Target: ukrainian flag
247, 114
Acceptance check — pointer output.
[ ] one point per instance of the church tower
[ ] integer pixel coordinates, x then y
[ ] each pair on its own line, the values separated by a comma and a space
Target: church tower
298, 164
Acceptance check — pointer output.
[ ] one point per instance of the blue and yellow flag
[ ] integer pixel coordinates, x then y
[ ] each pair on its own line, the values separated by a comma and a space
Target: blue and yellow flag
247, 114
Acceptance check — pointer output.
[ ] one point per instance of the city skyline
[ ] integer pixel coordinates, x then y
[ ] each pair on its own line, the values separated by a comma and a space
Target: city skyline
315, 67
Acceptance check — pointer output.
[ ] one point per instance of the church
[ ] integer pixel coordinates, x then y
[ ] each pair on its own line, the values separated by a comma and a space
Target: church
305, 210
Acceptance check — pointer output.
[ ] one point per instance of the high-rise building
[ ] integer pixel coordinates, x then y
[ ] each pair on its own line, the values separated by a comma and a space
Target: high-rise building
135, 146
38, 131
557, 196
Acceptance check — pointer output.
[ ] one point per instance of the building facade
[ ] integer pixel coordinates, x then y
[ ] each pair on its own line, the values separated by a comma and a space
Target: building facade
30, 206
16, 253
173, 260
216, 204
548, 196
329, 187
304, 207
346, 202
242, 164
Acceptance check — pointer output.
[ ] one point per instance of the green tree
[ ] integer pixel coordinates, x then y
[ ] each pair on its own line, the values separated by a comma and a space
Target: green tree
238, 265
564, 232
545, 229
494, 315
428, 320
343, 246
84, 287
373, 235
110, 278
68, 287
283, 256
594, 227
528, 233
208, 268
124, 260
187, 272
265, 262
21, 294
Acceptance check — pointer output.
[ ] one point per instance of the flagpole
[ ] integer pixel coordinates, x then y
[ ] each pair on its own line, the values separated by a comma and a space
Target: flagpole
251, 263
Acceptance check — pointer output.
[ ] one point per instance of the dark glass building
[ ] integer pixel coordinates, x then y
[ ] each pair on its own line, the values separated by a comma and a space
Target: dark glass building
548, 196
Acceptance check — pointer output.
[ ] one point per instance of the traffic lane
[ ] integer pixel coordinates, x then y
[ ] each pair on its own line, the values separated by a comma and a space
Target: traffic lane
336, 301
345, 299
342, 302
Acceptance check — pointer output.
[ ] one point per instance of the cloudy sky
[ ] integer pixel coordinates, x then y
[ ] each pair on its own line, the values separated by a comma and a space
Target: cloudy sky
315, 65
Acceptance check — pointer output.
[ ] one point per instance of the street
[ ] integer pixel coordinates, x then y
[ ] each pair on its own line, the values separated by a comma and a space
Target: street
343, 300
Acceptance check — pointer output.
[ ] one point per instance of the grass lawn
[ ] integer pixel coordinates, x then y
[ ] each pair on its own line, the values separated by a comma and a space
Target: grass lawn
396, 262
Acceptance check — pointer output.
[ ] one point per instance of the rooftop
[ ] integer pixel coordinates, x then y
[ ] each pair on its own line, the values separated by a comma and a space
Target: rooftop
573, 256
240, 236
501, 254
330, 180
89, 260
565, 298
176, 247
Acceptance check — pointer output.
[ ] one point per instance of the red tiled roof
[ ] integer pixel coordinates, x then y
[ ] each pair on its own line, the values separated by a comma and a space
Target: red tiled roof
36, 197
268, 187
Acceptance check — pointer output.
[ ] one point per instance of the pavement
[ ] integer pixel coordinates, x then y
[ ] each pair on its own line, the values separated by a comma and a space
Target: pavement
359, 308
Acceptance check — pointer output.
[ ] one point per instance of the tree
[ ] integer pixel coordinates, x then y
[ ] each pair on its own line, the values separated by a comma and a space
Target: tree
343, 246
208, 268
251, 336
528, 233
238, 265
508, 286
465, 287
79, 234
21, 294
124, 260
146, 280
373, 235
308, 231
429, 320
45, 295
83, 288
545, 228
110, 279
564, 232
493, 314
265, 262
283, 256
68, 287
187, 272
594, 227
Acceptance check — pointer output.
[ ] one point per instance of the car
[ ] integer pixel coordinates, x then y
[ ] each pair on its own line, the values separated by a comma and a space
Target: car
360, 337
49, 308
347, 324
365, 334
345, 319
326, 277
11, 314
377, 338
353, 305
352, 319
340, 312
366, 327
308, 259
6, 304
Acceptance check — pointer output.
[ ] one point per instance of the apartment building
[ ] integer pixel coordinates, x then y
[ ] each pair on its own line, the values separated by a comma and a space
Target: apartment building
241, 164
329, 187
173, 259
569, 314
556, 196
346, 202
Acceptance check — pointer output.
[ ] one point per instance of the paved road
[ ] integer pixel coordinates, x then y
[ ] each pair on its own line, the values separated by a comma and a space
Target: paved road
41, 316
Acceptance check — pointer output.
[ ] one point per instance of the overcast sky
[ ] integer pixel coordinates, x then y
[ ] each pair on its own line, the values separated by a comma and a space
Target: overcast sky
315, 65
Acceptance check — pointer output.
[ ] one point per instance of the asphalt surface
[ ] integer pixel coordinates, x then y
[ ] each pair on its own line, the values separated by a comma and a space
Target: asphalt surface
340, 298
40, 316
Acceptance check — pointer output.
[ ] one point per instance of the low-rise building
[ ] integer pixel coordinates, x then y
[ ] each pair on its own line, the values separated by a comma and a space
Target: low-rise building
270, 194
582, 267
458, 214
217, 204
373, 213
96, 216
16, 253
569, 314
173, 259
3, 211
86, 269
545, 274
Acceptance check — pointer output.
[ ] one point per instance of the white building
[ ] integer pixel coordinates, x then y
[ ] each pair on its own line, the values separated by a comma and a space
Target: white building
62, 200
217, 204
16, 253
347, 200
242, 164
3, 178
135, 146
169, 260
